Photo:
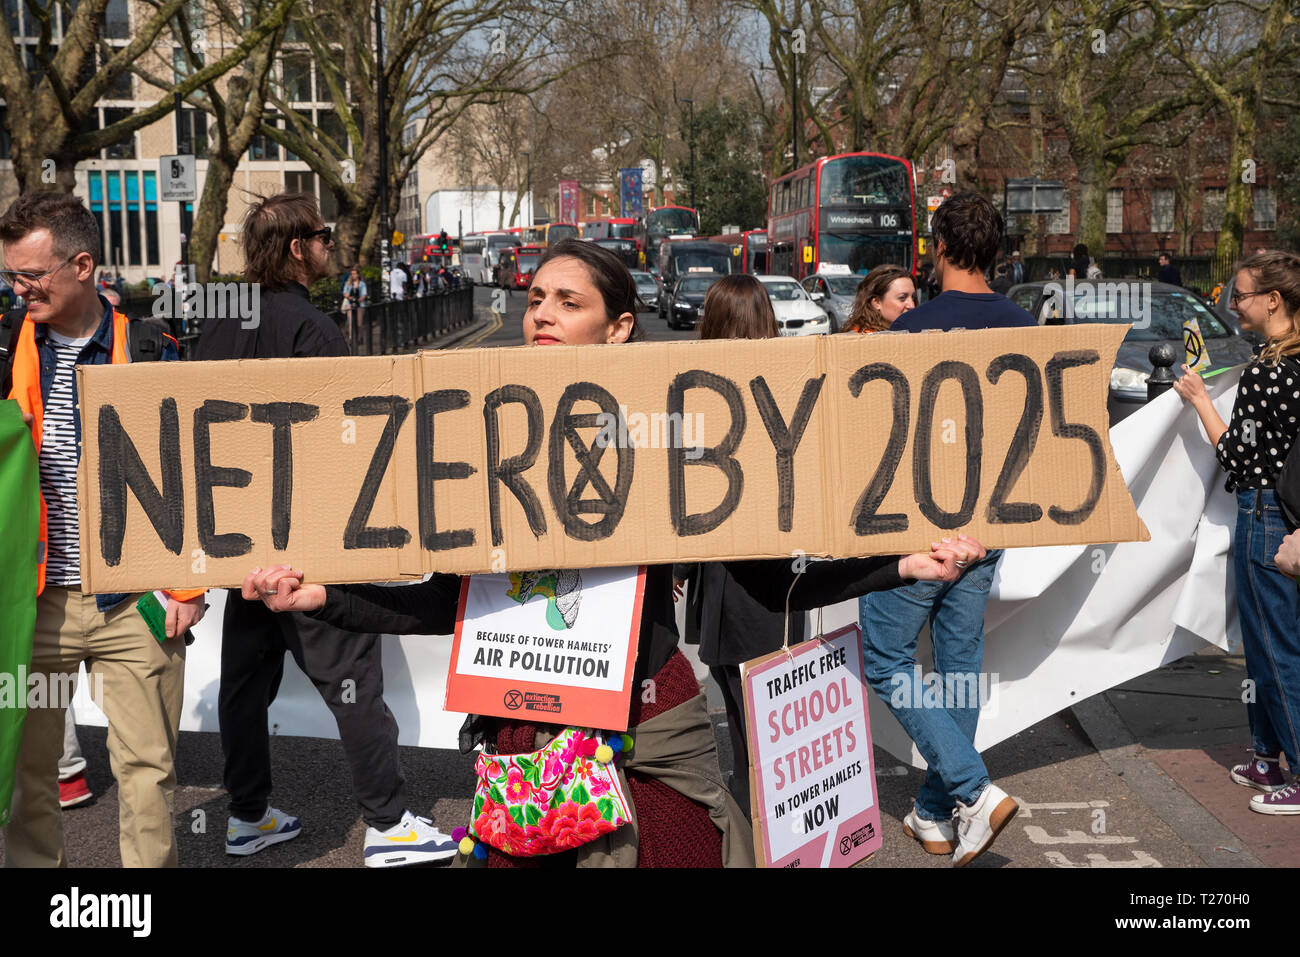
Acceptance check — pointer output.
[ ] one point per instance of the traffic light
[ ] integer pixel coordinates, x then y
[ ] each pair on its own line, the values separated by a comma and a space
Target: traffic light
443, 242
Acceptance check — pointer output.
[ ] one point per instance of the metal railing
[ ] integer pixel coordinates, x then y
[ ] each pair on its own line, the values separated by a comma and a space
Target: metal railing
407, 324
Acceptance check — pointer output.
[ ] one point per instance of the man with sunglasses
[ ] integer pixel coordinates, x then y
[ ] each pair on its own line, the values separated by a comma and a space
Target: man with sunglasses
287, 248
51, 248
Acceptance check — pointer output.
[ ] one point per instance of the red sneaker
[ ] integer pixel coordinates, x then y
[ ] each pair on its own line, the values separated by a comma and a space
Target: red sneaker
74, 791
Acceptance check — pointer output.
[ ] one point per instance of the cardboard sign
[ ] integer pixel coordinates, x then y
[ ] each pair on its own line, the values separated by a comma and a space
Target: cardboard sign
492, 460
812, 775
555, 646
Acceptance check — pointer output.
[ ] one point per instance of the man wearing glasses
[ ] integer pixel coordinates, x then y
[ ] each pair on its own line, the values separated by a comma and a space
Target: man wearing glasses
51, 248
286, 249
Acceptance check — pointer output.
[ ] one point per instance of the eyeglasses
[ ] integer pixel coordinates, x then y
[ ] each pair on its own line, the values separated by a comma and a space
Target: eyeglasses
1236, 297
324, 234
31, 280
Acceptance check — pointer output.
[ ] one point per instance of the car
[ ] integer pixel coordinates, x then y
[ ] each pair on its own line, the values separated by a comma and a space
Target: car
1158, 316
835, 293
682, 306
796, 313
647, 290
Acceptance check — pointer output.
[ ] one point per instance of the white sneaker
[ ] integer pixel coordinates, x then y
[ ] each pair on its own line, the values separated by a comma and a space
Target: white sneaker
248, 837
414, 840
935, 836
979, 823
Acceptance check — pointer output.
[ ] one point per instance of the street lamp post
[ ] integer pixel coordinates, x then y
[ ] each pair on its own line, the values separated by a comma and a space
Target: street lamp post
381, 89
528, 189
691, 106
794, 96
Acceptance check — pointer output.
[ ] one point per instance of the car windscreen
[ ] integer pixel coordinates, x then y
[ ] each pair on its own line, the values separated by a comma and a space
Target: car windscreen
843, 285
696, 284
1155, 315
784, 291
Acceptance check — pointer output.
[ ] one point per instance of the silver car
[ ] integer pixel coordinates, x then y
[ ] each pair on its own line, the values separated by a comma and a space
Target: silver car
834, 293
796, 313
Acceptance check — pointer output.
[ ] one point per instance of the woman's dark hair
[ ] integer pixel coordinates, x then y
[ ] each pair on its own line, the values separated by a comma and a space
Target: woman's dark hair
608, 274
864, 317
738, 307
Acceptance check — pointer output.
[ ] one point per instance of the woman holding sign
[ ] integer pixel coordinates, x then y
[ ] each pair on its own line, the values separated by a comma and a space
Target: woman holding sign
1252, 450
680, 813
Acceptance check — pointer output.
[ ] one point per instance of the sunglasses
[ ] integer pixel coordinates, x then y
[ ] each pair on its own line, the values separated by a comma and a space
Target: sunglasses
32, 280
324, 234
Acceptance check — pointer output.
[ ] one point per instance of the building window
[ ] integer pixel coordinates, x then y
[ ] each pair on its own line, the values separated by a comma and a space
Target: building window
1212, 206
117, 20
1058, 224
192, 132
11, 17
151, 217
125, 147
114, 234
1162, 210
181, 63
133, 252
1265, 206
297, 77
263, 147
331, 128
1115, 210
96, 179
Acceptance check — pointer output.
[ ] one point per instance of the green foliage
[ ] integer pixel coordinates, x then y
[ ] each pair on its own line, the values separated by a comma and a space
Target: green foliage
1282, 152
728, 185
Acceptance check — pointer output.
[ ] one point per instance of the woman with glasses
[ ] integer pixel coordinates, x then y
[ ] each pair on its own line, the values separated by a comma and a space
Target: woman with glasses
1252, 450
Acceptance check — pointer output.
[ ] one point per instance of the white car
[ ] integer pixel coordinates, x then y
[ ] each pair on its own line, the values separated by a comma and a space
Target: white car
796, 313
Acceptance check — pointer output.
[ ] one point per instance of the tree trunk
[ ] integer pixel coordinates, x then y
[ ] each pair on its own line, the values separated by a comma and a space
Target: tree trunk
1094, 178
1236, 200
211, 215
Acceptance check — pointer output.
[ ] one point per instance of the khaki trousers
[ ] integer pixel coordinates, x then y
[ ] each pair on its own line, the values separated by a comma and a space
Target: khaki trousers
142, 683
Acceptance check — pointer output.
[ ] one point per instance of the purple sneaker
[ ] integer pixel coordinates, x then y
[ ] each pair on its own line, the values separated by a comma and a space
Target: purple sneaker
1262, 774
1283, 801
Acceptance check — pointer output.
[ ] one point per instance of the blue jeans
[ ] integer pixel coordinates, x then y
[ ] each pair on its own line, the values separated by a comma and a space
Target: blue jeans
1268, 604
943, 726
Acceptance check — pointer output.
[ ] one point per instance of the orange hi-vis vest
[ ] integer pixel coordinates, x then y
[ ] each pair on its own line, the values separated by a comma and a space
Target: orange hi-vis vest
27, 391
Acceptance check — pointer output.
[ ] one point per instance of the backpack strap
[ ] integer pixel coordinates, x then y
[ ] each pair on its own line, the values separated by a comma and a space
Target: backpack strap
11, 327
144, 341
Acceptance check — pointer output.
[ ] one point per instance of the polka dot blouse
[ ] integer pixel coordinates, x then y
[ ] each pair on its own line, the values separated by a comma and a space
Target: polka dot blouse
1265, 421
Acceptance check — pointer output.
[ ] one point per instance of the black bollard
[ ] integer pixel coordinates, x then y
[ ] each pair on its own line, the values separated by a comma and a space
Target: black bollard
1162, 356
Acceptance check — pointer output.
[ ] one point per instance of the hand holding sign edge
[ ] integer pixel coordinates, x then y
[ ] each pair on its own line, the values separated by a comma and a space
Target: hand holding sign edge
281, 588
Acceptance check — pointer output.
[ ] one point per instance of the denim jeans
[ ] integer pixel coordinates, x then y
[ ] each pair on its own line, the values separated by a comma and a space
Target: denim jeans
1268, 604
942, 727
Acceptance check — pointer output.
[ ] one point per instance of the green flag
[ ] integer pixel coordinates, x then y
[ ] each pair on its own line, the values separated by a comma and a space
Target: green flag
20, 517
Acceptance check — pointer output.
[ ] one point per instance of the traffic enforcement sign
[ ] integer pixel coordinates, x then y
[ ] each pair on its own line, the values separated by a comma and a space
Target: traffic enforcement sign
398, 237
178, 178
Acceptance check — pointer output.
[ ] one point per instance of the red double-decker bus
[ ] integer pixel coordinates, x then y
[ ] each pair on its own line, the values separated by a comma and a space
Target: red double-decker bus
662, 223
853, 209
748, 250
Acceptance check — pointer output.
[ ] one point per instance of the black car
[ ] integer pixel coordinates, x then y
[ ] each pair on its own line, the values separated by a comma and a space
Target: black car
1157, 312
681, 305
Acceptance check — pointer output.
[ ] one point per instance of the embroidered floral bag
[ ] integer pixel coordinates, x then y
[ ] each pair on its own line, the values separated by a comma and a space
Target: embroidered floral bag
551, 800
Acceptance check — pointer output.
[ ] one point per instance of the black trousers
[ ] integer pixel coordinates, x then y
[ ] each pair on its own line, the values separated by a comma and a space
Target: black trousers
733, 698
347, 671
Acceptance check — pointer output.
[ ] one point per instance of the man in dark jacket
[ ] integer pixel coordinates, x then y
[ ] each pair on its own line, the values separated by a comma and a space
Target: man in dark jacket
286, 249
1169, 272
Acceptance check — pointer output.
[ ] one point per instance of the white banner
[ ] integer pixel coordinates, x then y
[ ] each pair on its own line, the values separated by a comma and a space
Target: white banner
1064, 623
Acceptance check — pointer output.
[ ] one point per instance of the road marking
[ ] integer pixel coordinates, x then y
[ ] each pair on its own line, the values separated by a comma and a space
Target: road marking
1040, 836
1140, 859
1027, 809
478, 337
